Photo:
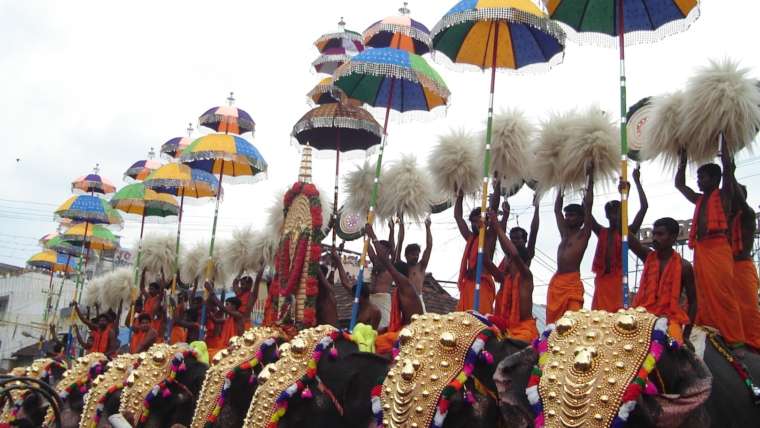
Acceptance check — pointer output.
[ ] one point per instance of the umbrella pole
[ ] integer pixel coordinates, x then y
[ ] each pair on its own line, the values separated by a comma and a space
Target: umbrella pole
130, 314
49, 298
335, 194
623, 155
486, 168
79, 285
210, 263
371, 212
170, 323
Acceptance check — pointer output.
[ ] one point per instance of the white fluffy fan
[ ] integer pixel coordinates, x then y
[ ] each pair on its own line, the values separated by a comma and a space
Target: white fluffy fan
593, 138
265, 246
411, 190
190, 260
92, 291
454, 164
720, 97
117, 288
662, 134
158, 255
358, 185
546, 164
240, 253
510, 144
218, 273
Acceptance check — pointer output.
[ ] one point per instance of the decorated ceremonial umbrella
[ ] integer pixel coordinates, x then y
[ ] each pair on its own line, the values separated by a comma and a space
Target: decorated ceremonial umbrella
330, 60
346, 39
52, 262
173, 147
226, 155
401, 32
92, 237
228, 119
92, 183
45, 239
142, 168
395, 80
610, 22
60, 245
508, 34
338, 127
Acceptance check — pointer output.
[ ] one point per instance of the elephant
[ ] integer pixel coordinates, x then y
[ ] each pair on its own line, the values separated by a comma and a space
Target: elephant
694, 392
31, 405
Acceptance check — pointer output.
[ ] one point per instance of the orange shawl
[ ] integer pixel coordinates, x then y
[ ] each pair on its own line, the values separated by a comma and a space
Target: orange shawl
659, 292
508, 300
716, 217
100, 340
600, 256
396, 320
228, 331
150, 305
136, 341
737, 243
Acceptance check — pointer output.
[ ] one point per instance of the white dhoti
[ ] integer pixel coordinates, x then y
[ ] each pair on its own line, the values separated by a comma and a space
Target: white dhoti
383, 302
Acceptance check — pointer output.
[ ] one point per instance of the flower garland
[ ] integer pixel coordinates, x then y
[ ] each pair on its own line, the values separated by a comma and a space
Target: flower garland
302, 385
83, 385
639, 385
476, 352
236, 371
177, 365
738, 366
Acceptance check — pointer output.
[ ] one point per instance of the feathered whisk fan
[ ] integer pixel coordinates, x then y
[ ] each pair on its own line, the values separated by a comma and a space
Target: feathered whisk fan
188, 267
662, 136
411, 190
218, 274
265, 246
239, 254
92, 291
276, 214
158, 255
720, 98
594, 138
510, 145
117, 288
358, 185
546, 164
454, 164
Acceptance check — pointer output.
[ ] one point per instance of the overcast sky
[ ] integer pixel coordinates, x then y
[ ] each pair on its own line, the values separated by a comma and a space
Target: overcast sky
91, 82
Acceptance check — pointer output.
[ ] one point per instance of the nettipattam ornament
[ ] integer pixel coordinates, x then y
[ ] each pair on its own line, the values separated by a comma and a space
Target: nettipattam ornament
104, 386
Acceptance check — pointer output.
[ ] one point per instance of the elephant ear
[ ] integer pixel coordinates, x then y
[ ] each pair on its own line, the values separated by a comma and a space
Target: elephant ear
688, 383
511, 379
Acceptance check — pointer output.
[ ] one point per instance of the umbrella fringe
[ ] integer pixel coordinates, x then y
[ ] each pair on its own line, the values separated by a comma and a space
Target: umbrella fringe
406, 30
346, 34
527, 70
256, 164
328, 58
543, 24
395, 71
338, 122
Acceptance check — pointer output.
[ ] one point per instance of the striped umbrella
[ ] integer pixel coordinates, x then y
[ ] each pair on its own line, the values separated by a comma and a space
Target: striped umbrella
401, 31
491, 34
343, 38
395, 80
92, 237
228, 119
611, 22
142, 168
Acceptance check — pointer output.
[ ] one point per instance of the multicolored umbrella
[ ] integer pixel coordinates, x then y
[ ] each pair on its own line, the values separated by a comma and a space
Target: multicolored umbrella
228, 119
142, 168
512, 34
92, 237
45, 239
401, 32
330, 60
59, 245
89, 209
610, 22
395, 80
173, 148
142, 202
338, 127
52, 261
225, 155
346, 39
92, 183
327, 93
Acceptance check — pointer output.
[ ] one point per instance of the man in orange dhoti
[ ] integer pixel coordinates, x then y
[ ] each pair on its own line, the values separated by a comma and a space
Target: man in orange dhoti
231, 321
153, 304
467, 281
664, 277
608, 266
247, 291
743, 228
713, 257
515, 298
143, 335
565, 288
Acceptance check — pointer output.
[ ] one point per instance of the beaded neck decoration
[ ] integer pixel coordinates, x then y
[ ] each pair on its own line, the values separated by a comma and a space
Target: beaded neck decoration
738, 366
157, 370
104, 386
294, 373
436, 357
593, 365
40, 369
79, 377
245, 353
11, 408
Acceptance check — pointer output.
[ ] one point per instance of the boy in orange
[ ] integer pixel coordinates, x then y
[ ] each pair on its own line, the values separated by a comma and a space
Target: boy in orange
247, 291
102, 335
467, 270
153, 304
713, 257
608, 266
516, 293
743, 229
143, 335
565, 288
232, 321
666, 275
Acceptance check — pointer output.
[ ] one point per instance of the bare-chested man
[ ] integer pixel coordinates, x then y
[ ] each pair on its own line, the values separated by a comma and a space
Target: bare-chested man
368, 313
743, 229
415, 267
524, 242
382, 282
608, 265
565, 288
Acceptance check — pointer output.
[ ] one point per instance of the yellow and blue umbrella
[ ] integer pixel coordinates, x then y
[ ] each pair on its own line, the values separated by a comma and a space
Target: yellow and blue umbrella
393, 79
610, 22
491, 34
52, 261
89, 209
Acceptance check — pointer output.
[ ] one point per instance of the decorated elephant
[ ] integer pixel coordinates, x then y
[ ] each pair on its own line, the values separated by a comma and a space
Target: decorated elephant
602, 369
28, 404
162, 391
231, 380
103, 398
